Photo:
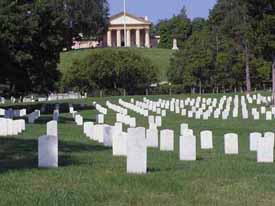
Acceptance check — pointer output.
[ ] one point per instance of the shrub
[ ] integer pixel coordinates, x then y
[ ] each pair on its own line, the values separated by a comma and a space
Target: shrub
111, 69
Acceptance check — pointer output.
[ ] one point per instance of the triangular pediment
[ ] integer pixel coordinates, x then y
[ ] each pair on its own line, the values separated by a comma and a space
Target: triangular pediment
129, 19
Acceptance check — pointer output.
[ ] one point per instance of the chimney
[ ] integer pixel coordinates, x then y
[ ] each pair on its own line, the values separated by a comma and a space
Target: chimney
146, 18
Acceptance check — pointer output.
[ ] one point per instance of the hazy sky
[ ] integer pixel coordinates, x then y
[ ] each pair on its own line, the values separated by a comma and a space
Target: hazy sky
160, 9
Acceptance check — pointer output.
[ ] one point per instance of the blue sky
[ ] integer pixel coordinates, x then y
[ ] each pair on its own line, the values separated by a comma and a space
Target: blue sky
161, 9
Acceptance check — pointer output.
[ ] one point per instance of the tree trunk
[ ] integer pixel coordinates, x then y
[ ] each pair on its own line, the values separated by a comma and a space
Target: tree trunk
247, 71
273, 83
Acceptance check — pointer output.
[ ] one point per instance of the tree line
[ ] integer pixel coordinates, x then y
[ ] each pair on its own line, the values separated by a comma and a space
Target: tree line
234, 49
34, 32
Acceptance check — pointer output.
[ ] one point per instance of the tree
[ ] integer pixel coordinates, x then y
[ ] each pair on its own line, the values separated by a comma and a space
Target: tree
111, 69
230, 20
191, 65
34, 32
264, 14
88, 18
179, 27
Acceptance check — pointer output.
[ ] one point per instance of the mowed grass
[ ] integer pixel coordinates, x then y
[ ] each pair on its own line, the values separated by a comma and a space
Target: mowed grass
89, 175
159, 57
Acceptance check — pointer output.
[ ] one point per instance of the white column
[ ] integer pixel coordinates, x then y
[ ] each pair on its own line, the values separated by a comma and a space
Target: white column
109, 38
147, 38
128, 38
118, 38
138, 38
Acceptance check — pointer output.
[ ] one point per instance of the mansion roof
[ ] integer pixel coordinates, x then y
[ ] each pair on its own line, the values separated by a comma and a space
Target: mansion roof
118, 19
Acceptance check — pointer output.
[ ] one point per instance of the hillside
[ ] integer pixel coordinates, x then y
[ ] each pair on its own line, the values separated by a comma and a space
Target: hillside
160, 58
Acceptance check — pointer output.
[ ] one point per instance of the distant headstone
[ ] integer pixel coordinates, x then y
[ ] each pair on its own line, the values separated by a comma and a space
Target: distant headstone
206, 139
120, 144
108, 135
253, 140
231, 145
52, 129
152, 138
175, 45
100, 118
167, 140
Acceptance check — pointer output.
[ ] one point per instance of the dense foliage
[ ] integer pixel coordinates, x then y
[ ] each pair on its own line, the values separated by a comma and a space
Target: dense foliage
34, 32
179, 27
111, 69
233, 49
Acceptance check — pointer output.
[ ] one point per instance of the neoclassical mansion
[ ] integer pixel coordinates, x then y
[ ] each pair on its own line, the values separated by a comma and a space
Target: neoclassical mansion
137, 33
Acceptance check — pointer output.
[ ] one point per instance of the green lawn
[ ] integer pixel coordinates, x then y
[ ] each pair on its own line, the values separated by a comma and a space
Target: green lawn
90, 175
160, 57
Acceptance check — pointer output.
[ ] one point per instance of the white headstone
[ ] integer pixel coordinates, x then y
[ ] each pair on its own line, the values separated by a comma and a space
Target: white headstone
152, 138
120, 144
136, 151
206, 139
231, 145
265, 150
108, 135
187, 150
253, 140
47, 152
100, 118
52, 129
166, 140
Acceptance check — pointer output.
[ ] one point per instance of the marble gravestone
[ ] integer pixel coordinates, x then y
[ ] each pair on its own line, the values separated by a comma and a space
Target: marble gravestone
56, 115
183, 128
108, 135
52, 128
100, 118
270, 135
187, 150
231, 145
253, 140
136, 151
265, 152
79, 120
167, 140
132, 122
87, 126
268, 115
47, 152
99, 133
152, 138
206, 139
158, 121
120, 144
175, 45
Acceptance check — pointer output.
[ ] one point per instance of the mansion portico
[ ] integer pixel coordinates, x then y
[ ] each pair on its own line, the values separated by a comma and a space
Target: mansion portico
137, 31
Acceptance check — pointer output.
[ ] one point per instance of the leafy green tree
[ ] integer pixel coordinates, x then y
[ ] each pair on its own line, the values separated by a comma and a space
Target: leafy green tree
263, 13
179, 27
86, 17
34, 32
111, 69
229, 20
192, 65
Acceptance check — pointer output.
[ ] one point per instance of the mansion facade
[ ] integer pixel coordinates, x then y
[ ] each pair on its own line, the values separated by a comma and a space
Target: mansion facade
137, 34
137, 31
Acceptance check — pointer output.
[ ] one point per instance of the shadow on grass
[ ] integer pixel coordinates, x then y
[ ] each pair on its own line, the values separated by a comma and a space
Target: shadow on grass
49, 107
20, 154
46, 119
61, 120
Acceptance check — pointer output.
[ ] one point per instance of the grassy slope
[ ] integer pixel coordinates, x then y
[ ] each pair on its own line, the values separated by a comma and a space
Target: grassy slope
160, 58
90, 175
